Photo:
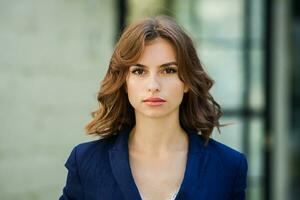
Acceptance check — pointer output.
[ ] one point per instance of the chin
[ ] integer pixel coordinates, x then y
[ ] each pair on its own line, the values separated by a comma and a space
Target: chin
155, 114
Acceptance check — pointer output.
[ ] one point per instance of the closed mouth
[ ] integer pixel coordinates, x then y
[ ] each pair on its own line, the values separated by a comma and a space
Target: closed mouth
154, 100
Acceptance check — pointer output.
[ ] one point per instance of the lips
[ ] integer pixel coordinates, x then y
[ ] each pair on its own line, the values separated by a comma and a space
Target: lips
154, 99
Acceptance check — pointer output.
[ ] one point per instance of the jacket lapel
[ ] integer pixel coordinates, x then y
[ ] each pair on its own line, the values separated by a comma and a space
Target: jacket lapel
119, 161
195, 167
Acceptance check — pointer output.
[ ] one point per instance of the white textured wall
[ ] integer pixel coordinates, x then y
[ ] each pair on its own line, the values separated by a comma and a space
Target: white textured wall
53, 54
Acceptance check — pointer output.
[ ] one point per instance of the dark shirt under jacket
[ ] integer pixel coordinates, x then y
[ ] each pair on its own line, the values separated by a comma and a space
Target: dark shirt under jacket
100, 170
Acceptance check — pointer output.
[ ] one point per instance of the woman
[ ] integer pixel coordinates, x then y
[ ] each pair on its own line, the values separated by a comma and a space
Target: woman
154, 120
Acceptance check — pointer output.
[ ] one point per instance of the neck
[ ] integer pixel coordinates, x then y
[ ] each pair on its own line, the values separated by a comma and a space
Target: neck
157, 135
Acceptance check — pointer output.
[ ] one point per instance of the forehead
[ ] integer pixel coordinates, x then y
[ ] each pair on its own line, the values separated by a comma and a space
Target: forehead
157, 52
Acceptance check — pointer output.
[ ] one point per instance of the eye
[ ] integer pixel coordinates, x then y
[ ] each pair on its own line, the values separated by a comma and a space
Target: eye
138, 71
170, 70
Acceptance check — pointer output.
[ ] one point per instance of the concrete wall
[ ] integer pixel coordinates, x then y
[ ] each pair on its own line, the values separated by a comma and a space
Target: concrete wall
53, 54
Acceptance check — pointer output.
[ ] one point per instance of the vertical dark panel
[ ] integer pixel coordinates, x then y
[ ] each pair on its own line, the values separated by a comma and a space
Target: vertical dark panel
268, 89
122, 9
246, 49
247, 74
294, 137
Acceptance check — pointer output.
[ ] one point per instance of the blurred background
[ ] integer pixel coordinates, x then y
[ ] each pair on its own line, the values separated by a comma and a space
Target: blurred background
54, 53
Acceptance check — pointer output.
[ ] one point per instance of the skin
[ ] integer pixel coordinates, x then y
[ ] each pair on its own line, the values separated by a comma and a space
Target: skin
157, 144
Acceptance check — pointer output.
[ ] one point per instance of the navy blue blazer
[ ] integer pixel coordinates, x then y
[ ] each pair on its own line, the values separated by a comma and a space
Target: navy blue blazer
100, 170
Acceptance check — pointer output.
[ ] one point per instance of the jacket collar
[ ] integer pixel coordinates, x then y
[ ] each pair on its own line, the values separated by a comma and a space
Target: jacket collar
119, 161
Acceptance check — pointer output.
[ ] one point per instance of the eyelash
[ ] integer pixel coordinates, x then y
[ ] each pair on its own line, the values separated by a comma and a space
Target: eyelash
173, 71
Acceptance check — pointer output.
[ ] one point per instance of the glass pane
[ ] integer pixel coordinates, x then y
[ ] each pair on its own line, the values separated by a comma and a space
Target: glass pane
255, 159
224, 66
209, 18
230, 135
257, 98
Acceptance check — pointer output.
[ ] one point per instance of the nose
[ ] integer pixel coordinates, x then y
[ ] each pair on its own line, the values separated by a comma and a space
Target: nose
153, 84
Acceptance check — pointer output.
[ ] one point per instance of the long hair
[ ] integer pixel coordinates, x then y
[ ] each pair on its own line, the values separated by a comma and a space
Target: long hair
198, 109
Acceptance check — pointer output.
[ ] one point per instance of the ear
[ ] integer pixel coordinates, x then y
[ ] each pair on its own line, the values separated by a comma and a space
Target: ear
185, 89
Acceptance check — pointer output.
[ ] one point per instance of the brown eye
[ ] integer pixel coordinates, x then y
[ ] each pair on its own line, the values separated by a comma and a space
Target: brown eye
170, 70
138, 71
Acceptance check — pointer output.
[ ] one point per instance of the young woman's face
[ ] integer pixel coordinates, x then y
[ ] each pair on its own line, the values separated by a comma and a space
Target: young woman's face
155, 75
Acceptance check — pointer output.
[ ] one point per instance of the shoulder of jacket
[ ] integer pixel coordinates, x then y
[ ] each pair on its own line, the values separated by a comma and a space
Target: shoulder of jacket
87, 149
227, 155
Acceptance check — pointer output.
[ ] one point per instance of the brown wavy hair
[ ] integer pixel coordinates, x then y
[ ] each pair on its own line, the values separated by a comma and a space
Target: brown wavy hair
198, 110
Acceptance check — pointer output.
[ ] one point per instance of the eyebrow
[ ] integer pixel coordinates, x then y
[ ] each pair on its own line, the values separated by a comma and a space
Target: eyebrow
163, 65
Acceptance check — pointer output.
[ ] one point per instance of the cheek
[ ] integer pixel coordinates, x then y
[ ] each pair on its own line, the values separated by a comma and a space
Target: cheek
133, 90
176, 87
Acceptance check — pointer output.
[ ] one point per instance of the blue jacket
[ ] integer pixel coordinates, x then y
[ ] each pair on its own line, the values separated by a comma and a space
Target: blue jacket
100, 170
